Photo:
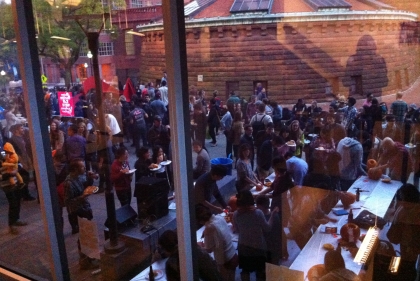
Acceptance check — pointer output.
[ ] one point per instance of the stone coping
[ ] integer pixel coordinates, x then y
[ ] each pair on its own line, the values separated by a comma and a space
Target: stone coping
321, 16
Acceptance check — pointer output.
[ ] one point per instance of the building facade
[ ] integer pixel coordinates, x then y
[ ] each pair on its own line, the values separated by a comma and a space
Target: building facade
294, 49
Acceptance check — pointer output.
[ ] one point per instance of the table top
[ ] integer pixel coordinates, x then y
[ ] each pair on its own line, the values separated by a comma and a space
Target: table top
376, 198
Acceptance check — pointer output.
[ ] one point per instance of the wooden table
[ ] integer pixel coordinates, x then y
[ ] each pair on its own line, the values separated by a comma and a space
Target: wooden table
376, 198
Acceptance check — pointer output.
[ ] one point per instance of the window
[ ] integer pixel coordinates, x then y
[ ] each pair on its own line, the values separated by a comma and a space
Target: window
356, 87
264, 85
82, 71
231, 86
136, 3
398, 79
106, 49
83, 50
129, 45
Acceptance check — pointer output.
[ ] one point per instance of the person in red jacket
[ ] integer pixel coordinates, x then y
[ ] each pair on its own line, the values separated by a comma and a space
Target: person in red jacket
120, 176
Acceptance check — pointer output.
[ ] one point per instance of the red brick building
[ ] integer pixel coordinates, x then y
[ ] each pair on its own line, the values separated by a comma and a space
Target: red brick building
296, 48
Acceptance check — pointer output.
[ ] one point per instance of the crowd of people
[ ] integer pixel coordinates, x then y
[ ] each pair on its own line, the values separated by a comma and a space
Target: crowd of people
303, 146
307, 148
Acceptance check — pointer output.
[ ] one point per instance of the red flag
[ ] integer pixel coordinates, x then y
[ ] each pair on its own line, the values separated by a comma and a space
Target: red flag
89, 83
129, 90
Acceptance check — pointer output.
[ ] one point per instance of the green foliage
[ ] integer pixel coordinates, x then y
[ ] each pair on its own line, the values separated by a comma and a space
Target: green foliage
6, 21
56, 18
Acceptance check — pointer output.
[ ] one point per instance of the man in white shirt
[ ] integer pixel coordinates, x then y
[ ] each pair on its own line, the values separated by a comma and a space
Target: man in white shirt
112, 123
218, 239
164, 93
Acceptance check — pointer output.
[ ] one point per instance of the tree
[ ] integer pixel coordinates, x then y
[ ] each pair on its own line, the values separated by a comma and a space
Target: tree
60, 21
8, 51
55, 18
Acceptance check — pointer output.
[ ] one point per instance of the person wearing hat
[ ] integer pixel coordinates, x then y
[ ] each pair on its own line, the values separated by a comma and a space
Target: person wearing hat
158, 106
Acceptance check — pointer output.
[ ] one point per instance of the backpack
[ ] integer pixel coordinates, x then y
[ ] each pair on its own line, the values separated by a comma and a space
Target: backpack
258, 125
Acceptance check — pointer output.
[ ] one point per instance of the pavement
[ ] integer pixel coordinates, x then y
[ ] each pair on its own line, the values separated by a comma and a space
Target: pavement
28, 250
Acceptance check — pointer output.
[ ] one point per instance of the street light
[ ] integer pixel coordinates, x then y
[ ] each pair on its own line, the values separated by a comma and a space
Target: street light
3, 73
90, 56
85, 65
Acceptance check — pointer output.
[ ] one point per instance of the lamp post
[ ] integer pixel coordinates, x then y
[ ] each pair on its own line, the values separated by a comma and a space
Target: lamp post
3, 73
85, 65
112, 246
90, 56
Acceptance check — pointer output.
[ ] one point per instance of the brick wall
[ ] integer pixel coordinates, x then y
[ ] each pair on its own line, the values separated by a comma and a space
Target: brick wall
298, 60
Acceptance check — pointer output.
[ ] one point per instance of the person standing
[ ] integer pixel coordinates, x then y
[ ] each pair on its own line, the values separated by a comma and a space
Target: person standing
274, 244
200, 123
138, 121
205, 188
399, 108
142, 164
350, 165
164, 93
217, 239
251, 226
202, 165
249, 140
213, 121
56, 135
13, 196
246, 179
158, 106
349, 115
158, 134
75, 145
405, 230
226, 123
21, 147
77, 187
120, 176
238, 130
282, 183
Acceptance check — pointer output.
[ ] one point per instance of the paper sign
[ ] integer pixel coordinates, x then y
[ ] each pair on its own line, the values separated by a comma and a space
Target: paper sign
89, 239
66, 104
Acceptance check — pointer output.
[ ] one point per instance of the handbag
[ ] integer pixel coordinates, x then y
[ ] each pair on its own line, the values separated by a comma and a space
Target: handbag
367, 219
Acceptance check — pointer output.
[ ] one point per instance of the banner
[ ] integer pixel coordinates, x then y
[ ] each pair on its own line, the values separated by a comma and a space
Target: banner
65, 104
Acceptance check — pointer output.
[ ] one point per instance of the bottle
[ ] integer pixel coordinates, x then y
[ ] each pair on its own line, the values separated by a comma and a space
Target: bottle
350, 217
151, 274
